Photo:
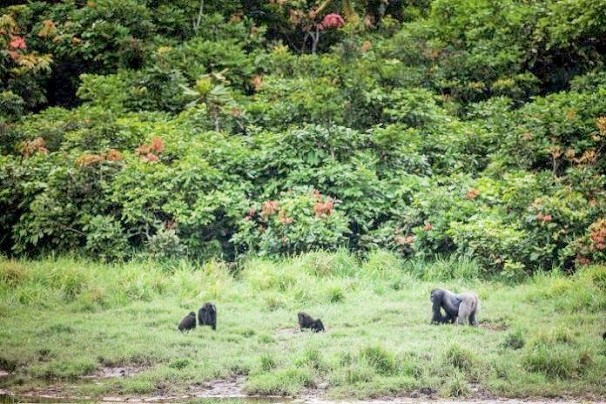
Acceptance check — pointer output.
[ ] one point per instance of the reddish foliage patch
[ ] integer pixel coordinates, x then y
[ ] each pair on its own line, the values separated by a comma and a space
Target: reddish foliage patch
472, 194
324, 208
333, 21
38, 145
150, 152
269, 208
18, 42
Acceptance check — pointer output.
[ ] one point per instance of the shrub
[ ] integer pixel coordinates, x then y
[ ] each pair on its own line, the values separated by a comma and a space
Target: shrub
590, 247
105, 238
488, 240
165, 244
299, 221
11, 106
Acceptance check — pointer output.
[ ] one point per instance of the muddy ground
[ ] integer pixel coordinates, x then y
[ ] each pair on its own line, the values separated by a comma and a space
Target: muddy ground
233, 389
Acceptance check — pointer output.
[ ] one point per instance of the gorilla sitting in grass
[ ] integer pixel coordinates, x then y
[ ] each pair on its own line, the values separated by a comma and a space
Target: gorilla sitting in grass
207, 315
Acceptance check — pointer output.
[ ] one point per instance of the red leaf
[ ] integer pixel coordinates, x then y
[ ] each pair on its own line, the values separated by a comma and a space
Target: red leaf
18, 42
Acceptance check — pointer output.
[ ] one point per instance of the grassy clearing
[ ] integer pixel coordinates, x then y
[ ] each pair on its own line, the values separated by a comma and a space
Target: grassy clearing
62, 319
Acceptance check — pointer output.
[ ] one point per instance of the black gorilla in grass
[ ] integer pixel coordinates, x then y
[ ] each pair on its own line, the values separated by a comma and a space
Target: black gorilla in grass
458, 307
188, 323
306, 321
207, 315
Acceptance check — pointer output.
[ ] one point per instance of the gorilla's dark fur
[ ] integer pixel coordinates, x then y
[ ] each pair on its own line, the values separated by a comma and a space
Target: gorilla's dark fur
207, 315
306, 321
188, 322
456, 307
604, 336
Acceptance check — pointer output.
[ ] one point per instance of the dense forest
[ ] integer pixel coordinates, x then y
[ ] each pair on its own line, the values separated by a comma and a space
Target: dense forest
220, 129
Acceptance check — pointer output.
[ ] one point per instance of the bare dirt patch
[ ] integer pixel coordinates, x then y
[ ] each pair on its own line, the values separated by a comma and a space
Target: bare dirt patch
108, 372
233, 389
52, 393
494, 325
478, 395
220, 388
317, 394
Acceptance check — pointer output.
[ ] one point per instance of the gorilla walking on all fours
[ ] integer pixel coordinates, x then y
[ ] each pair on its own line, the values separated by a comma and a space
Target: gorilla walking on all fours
458, 307
306, 321
207, 315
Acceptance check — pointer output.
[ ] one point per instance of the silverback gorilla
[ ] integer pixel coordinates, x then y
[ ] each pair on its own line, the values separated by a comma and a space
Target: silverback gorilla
306, 321
457, 307
207, 315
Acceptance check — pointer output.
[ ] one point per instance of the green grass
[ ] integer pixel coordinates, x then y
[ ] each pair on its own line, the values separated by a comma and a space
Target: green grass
62, 319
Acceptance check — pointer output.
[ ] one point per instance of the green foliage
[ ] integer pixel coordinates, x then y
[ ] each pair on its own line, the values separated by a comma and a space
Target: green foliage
11, 106
470, 133
489, 240
105, 238
297, 222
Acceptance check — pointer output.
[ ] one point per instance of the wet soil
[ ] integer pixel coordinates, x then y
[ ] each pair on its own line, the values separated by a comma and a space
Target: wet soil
233, 388
108, 372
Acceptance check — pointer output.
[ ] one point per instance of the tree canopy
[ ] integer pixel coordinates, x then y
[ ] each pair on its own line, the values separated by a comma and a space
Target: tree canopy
473, 128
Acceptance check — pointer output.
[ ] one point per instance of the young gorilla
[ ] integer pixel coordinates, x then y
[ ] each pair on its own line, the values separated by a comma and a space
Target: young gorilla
207, 315
188, 322
457, 307
306, 321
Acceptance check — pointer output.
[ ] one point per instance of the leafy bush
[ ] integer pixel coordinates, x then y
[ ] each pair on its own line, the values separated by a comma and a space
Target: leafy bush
489, 240
438, 131
299, 221
105, 238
